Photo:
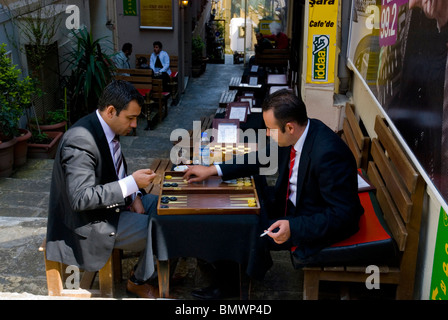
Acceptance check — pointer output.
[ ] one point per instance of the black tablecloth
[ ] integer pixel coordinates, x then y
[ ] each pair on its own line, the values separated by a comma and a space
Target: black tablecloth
212, 238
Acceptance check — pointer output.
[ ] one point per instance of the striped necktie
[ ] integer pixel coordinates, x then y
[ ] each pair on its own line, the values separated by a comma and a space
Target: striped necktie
118, 158
292, 159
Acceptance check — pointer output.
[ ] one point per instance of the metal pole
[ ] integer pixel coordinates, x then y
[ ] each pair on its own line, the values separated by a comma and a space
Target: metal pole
245, 30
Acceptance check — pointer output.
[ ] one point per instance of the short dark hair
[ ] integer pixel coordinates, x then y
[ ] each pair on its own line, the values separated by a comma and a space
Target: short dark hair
287, 107
119, 93
127, 46
157, 43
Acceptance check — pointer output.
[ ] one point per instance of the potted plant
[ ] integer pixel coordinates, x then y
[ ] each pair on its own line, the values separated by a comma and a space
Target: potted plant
16, 93
43, 145
91, 69
198, 61
54, 121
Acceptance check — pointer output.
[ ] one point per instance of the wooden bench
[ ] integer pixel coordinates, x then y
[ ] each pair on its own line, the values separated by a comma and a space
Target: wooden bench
174, 67
159, 99
142, 80
111, 274
354, 137
273, 58
399, 190
226, 97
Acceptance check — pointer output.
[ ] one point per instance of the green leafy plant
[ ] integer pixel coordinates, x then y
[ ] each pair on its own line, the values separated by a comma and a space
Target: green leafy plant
16, 95
57, 116
40, 137
197, 46
91, 70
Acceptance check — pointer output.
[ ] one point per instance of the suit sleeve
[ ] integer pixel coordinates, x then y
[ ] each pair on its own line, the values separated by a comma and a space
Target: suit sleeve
81, 163
330, 209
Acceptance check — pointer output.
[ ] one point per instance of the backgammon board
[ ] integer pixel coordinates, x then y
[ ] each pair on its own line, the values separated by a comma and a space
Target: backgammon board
211, 196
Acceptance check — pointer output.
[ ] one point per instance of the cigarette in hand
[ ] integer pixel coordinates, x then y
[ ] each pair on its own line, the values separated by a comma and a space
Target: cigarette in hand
264, 233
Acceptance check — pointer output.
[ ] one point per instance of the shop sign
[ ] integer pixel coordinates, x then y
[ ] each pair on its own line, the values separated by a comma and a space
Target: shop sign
439, 280
322, 41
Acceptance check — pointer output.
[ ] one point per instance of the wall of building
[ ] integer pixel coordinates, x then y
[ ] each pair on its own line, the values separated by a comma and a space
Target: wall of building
128, 30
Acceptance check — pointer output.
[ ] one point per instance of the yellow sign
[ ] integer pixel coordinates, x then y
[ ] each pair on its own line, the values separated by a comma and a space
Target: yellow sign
156, 14
322, 27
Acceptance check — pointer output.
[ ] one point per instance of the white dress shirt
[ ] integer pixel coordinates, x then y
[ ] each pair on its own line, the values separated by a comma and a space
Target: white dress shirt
298, 146
164, 59
128, 185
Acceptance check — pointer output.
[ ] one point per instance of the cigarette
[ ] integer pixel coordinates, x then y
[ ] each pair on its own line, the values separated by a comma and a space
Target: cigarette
264, 233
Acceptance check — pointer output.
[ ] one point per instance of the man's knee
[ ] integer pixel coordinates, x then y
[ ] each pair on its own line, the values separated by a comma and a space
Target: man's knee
150, 203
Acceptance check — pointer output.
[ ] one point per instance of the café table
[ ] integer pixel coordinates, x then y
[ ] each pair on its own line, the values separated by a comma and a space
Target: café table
211, 237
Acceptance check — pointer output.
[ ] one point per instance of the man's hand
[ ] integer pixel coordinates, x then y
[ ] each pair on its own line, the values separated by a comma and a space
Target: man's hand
143, 177
200, 173
283, 233
137, 205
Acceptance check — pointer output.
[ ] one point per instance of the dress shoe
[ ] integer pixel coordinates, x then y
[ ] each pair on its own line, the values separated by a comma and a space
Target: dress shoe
144, 290
214, 293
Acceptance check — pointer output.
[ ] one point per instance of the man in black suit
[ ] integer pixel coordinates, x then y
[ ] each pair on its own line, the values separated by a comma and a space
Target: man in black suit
94, 206
313, 204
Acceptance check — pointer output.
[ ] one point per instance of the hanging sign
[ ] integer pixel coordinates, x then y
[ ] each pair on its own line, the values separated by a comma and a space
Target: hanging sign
156, 14
322, 27
130, 7
439, 280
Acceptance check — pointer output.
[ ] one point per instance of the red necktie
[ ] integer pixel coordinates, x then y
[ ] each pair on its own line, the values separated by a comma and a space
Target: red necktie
292, 159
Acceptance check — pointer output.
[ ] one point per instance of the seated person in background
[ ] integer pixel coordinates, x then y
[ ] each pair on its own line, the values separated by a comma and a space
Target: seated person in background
262, 43
94, 205
281, 39
143, 63
159, 62
315, 202
121, 59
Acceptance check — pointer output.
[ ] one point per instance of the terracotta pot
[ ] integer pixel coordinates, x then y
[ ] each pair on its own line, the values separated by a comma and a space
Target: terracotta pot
60, 127
45, 151
21, 148
7, 157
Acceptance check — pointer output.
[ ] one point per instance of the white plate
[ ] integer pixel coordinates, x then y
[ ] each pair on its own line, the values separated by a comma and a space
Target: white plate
180, 168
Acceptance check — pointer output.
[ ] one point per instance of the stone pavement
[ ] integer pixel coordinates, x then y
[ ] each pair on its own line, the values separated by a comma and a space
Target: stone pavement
24, 201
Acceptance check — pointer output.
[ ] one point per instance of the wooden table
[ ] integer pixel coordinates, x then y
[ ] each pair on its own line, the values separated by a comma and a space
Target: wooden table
212, 220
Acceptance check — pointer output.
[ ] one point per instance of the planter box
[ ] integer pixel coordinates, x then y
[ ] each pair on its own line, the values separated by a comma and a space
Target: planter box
21, 148
45, 151
50, 127
7, 157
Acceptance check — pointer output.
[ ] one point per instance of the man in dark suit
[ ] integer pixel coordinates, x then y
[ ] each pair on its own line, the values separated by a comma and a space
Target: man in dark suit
94, 206
314, 202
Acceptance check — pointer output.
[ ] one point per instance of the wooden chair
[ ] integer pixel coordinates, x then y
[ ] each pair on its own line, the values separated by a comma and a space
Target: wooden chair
109, 276
273, 58
159, 98
142, 80
400, 191
174, 67
354, 137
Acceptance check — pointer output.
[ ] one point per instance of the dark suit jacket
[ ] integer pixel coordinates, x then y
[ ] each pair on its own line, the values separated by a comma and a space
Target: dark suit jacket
85, 198
327, 204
